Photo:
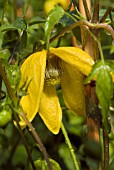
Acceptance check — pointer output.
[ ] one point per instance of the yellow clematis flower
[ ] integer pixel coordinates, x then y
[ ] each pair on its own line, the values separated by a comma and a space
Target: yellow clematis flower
66, 65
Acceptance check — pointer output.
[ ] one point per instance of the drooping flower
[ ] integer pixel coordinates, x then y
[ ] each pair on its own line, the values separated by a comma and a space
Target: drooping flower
41, 74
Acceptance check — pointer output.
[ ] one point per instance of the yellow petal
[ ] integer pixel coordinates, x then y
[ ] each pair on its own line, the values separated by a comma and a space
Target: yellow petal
50, 110
112, 75
33, 73
73, 89
76, 57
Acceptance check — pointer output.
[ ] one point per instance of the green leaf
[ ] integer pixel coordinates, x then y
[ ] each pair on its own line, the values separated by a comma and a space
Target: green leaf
92, 163
104, 90
95, 70
20, 23
112, 49
20, 156
5, 54
65, 155
92, 149
42, 165
14, 75
23, 41
54, 16
36, 20
97, 67
10, 39
110, 64
111, 166
8, 27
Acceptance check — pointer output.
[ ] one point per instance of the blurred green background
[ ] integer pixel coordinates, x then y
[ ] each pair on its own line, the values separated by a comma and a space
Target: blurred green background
13, 155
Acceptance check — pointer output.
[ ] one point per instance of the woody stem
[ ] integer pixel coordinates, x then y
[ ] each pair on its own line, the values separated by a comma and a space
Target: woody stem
86, 23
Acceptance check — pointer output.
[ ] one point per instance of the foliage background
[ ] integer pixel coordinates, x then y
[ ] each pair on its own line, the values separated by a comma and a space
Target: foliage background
13, 155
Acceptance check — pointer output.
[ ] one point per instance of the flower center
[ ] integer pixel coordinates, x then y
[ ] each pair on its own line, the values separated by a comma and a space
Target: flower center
53, 71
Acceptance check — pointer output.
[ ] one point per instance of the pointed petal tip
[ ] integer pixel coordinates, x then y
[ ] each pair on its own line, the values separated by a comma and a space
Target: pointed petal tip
53, 125
50, 110
55, 131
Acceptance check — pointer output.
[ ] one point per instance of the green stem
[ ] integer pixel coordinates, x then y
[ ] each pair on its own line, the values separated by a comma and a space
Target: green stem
77, 11
75, 159
70, 16
86, 10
